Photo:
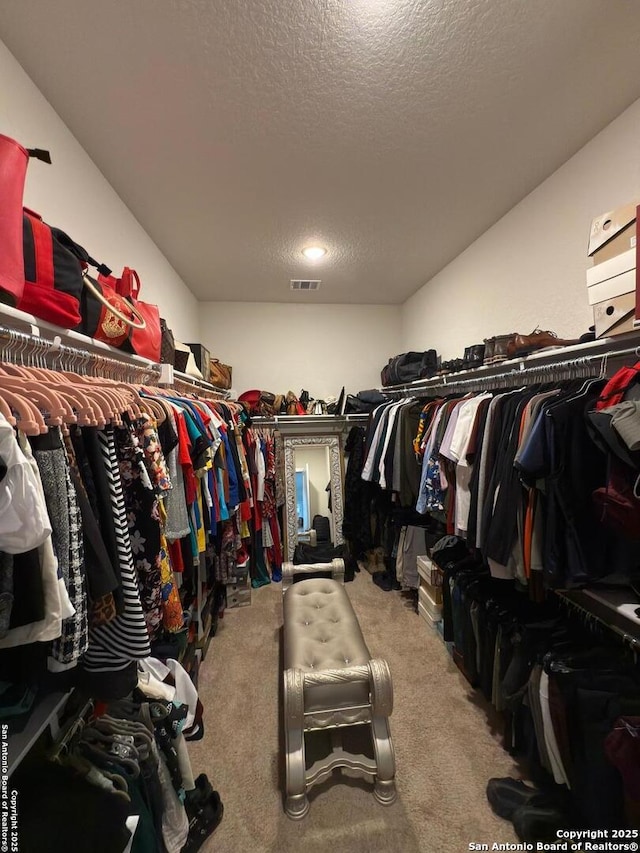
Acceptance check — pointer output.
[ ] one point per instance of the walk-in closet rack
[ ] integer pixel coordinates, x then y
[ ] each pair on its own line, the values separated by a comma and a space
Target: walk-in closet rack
592, 609
594, 358
26, 340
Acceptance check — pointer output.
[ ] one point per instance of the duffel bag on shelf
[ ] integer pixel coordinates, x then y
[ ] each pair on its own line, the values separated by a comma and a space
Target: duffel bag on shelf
409, 366
54, 266
364, 402
58, 289
14, 159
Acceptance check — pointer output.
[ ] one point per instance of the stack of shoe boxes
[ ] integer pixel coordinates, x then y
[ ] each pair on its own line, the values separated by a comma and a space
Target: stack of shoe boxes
611, 281
429, 591
238, 587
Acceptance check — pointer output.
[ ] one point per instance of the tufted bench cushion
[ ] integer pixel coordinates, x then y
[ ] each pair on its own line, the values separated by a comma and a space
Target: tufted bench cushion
321, 632
332, 682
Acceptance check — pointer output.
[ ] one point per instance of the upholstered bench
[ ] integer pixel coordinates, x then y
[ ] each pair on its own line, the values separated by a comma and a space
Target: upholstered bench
334, 569
331, 682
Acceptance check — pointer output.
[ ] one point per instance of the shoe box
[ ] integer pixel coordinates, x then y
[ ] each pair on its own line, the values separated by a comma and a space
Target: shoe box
429, 590
612, 281
430, 612
203, 359
239, 594
429, 571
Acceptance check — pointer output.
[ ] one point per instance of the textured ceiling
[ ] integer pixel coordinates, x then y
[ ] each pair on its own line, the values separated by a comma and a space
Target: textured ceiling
393, 132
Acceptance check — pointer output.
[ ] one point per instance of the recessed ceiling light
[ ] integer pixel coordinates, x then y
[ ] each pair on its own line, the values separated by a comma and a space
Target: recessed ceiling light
314, 253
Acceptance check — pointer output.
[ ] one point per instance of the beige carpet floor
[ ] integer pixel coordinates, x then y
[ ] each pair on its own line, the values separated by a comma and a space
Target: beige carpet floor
446, 749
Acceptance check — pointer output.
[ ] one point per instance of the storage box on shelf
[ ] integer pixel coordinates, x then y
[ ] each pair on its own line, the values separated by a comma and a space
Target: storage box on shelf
612, 281
202, 357
429, 590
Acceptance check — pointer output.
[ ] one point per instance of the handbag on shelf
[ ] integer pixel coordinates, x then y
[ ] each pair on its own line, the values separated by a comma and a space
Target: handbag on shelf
251, 401
294, 406
220, 374
107, 316
14, 159
317, 407
268, 404
54, 266
168, 344
143, 341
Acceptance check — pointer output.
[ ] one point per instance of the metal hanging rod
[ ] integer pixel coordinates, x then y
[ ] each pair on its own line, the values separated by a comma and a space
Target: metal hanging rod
600, 613
185, 382
29, 349
34, 350
264, 420
551, 371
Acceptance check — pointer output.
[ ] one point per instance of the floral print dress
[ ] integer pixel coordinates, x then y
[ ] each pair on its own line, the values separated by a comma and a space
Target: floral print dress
145, 479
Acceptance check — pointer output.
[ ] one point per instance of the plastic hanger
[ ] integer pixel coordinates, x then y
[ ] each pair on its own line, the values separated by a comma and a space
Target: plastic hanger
6, 411
50, 404
29, 419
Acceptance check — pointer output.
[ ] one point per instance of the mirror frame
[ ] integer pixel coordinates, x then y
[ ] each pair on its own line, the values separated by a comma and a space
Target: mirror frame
335, 477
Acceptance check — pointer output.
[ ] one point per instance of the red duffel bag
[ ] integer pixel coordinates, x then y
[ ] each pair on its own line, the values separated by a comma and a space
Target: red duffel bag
13, 170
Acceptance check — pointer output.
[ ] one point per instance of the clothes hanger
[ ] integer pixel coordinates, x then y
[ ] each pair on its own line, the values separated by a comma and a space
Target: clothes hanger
105, 760
106, 387
6, 411
22, 382
29, 419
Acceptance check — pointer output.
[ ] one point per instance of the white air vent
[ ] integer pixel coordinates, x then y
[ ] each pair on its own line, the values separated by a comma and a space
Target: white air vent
299, 284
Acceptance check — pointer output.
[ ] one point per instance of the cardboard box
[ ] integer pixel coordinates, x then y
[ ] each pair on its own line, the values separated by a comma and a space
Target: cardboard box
612, 278
434, 593
613, 233
428, 570
615, 316
427, 609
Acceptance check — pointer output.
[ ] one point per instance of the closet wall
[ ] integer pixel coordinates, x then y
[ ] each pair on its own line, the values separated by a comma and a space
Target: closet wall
529, 269
279, 347
74, 195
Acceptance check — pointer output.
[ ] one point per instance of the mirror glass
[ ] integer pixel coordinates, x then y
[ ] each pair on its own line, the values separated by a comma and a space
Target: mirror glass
314, 502
313, 494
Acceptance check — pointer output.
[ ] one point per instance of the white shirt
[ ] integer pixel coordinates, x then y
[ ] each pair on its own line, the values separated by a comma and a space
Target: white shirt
24, 521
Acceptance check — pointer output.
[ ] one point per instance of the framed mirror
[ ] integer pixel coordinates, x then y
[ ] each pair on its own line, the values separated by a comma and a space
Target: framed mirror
313, 490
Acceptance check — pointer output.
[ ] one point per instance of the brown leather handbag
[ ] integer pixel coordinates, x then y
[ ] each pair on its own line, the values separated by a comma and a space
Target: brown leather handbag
220, 374
168, 345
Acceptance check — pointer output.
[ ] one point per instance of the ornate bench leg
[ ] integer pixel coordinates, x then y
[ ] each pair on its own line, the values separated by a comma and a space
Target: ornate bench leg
385, 787
296, 803
381, 708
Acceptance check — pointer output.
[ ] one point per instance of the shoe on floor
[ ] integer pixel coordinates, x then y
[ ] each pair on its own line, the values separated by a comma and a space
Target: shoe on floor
385, 580
539, 823
197, 798
204, 822
507, 795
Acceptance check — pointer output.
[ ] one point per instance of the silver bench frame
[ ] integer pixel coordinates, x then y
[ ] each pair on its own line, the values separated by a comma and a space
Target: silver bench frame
289, 570
298, 720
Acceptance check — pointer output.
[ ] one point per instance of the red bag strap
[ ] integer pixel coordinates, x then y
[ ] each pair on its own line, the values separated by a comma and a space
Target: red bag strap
129, 283
43, 248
